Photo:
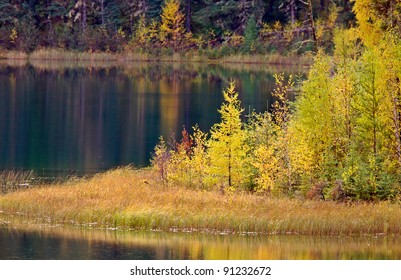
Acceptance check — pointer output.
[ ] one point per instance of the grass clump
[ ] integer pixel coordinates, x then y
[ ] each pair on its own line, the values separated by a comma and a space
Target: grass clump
129, 198
11, 180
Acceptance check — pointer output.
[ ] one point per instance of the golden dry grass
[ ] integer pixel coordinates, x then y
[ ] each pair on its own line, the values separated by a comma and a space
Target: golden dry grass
13, 55
49, 54
272, 59
128, 198
57, 54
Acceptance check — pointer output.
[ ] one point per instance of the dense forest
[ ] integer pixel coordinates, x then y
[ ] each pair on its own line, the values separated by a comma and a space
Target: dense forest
340, 139
248, 26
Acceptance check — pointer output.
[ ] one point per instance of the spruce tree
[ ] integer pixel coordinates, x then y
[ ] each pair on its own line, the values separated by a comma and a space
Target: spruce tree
250, 35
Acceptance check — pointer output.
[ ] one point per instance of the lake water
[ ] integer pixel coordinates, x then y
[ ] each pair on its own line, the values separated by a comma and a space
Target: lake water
68, 118
60, 243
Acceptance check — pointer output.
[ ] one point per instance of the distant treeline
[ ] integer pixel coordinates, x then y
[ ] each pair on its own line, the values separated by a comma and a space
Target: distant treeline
262, 26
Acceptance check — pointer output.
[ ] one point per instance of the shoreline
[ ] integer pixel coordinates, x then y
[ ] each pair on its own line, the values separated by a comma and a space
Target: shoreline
129, 56
130, 199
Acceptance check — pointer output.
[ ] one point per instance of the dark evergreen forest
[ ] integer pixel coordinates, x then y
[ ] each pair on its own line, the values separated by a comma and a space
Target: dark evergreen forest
262, 26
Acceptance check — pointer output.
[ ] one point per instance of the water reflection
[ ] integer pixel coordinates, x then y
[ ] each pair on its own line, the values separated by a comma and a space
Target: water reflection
58, 243
88, 118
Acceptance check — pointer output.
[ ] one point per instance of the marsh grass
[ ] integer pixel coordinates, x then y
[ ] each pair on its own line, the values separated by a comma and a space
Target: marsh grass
13, 55
272, 59
19, 180
11, 180
58, 54
128, 198
162, 56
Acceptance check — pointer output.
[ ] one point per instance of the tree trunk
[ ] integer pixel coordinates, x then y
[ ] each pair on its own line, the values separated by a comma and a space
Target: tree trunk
312, 24
50, 32
292, 11
83, 19
396, 121
229, 168
102, 11
188, 15
374, 114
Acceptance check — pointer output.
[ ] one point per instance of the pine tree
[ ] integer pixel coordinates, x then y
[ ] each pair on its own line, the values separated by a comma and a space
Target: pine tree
376, 138
227, 147
141, 32
250, 35
370, 101
8, 12
172, 26
390, 73
313, 108
262, 132
272, 152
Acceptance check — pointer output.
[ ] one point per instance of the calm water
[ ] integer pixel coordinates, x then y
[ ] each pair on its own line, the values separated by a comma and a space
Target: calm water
87, 118
97, 245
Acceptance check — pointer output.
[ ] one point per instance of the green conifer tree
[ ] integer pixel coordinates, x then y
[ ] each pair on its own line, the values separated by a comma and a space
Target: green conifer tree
250, 35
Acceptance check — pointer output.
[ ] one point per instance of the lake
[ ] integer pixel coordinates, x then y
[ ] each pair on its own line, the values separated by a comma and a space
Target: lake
91, 244
63, 119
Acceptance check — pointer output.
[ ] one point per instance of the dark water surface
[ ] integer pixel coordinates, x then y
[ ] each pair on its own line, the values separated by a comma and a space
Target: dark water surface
85, 118
58, 243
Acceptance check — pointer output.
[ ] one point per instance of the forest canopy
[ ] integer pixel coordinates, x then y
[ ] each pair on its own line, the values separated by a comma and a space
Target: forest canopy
106, 25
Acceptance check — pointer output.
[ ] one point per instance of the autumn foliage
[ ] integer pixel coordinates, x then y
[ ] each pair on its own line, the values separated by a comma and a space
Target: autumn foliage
172, 24
217, 28
340, 139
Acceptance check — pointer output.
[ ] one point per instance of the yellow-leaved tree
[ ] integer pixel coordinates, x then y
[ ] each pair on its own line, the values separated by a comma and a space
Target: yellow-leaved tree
183, 163
376, 18
271, 152
313, 121
172, 27
227, 148
146, 35
199, 158
180, 164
